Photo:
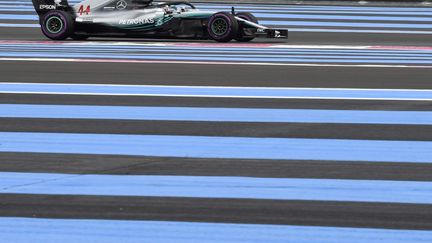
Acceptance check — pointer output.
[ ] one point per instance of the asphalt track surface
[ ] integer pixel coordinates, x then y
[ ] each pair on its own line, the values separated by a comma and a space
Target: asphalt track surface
27, 58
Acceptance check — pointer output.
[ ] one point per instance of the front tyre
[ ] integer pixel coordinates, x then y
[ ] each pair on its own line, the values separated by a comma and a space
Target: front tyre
57, 25
246, 33
222, 27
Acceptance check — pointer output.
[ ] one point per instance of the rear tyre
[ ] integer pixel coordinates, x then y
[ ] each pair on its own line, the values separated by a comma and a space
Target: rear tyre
246, 33
57, 25
222, 27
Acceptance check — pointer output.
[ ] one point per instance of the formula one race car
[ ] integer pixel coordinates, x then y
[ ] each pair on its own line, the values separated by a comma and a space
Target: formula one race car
145, 19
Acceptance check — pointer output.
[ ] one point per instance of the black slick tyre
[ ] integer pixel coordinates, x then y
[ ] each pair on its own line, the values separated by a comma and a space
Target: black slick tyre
57, 25
222, 27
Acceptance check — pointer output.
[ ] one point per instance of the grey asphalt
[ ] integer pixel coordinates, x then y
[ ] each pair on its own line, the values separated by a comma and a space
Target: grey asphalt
215, 102
216, 75
136, 165
236, 129
396, 216
345, 214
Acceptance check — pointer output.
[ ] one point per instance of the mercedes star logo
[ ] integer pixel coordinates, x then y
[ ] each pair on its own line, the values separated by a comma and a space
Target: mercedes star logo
121, 5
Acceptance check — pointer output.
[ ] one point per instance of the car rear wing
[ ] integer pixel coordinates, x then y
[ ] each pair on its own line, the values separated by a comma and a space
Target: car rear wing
44, 6
263, 31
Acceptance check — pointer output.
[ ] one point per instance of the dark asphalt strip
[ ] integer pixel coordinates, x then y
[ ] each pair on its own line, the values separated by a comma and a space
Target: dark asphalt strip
134, 165
216, 75
229, 129
216, 102
344, 214
21, 33
32, 13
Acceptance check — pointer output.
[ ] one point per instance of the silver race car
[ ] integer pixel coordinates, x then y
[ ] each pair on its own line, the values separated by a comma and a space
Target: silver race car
145, 19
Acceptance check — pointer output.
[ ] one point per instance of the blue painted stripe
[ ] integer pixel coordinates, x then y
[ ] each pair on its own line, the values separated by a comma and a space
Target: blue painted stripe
15, 4
218, 187
364, 14
18, 17
343, 17
318, 11
295, 10
318, 16
219, 147
289, 24
318, 7
302, 23
30, 230
29, 2
285, 50
218, 51
18, 9
343, 56
195, 57
203, 91
19, 25
96, 48
280, 8
18, 6
216, 114
426, 54
345, 24
274, 7
244, 56
280, 23
408, 32
146, 50
238, 56
288, 7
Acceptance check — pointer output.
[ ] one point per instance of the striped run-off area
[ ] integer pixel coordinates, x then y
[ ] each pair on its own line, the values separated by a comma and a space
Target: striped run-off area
298, 18
160, 185
276, 54
326, 138
321, 25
